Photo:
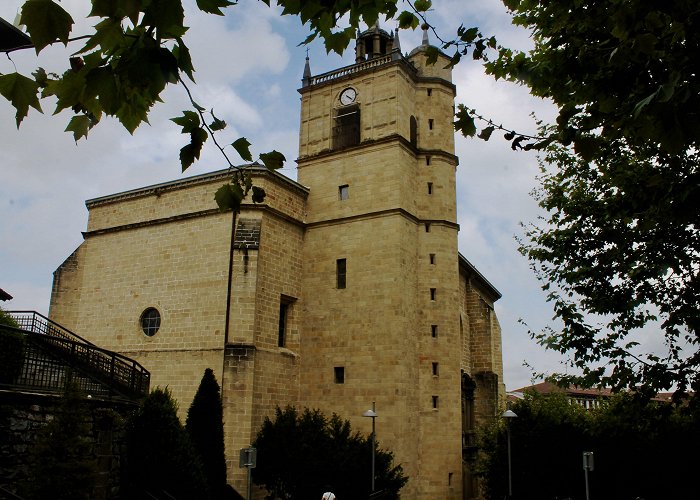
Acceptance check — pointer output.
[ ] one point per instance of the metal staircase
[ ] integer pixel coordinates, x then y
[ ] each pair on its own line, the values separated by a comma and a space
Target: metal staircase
53, 353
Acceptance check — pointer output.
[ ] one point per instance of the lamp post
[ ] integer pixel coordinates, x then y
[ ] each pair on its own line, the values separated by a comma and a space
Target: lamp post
509, 414
373, 415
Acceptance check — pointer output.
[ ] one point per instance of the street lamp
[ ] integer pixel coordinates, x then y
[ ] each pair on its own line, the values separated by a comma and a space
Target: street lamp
373, 415
509, 414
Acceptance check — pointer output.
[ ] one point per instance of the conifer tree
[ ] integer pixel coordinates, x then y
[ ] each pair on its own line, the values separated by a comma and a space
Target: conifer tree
205, 426
62, 465
160, 460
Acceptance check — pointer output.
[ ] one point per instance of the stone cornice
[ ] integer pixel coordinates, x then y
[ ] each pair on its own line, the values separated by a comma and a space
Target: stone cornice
383, 213
376, 142
191, 215
219, 175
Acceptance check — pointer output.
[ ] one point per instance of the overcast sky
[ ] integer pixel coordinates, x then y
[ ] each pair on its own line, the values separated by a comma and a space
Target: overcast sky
248, 68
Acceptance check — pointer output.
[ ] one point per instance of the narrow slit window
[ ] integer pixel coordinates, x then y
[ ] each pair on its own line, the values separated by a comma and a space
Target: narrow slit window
432, 258
435, 369
427, 227
434, 331
427, 160
341, 273
433, 293
430, 188
435, 402
343, 192
282, 331
430, 92
431, 123
339, 374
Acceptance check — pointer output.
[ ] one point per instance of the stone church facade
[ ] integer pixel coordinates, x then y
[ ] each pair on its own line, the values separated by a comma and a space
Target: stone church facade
342, 289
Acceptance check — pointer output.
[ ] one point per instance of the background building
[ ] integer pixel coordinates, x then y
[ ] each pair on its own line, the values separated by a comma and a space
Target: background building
342, 289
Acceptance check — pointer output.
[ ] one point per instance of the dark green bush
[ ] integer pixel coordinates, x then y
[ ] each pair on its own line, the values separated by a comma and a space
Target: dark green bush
11, 349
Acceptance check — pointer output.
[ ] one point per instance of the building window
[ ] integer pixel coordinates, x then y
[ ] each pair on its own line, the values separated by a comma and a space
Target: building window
433, 293
346, 130
435, 369
432, 258
413, 131
431, 122
430, 92
430, 188
427, 160
150, 321
433, 331
427, 227
341, 273
435, 402
343, 192
282, 335
339, 374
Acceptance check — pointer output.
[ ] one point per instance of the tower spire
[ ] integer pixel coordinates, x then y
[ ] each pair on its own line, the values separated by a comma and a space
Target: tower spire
425, 27
396, 48
306, 78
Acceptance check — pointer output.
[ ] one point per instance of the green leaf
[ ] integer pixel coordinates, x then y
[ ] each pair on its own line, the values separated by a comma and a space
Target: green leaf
189, 121
79, 125
216, 124
464, 122
167, 17
273, 160
258, 194
184, 60
242, 147
46, 22
229, 197
191, 152
213, 6
431, 54
485, 134
408, 20
422, 5
21, 92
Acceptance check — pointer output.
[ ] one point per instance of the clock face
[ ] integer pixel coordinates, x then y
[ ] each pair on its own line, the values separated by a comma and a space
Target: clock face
348, 96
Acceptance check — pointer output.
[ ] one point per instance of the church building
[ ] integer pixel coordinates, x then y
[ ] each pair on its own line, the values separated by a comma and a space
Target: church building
343, 289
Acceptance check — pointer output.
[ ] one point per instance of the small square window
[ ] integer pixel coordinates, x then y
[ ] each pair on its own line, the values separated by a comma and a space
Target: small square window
341, 273
433, 293
435, 402
339, 374
343, 192
434, 331
430, 188
432, 258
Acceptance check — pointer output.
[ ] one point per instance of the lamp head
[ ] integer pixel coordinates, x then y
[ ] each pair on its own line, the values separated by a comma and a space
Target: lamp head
509, 414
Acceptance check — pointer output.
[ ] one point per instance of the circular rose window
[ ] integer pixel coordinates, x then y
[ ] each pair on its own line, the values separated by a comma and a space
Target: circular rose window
150, 321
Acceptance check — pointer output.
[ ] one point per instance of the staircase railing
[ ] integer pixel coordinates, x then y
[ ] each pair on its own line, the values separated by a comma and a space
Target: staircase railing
113, 373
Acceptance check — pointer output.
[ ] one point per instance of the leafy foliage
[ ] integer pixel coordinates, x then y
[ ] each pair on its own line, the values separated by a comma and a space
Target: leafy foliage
301, 454
161, 461
12, 346
619, 252
137, 49
62, 464
205, 426
635, 444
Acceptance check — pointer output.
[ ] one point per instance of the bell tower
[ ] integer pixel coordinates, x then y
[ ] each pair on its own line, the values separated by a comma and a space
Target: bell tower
381, 286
